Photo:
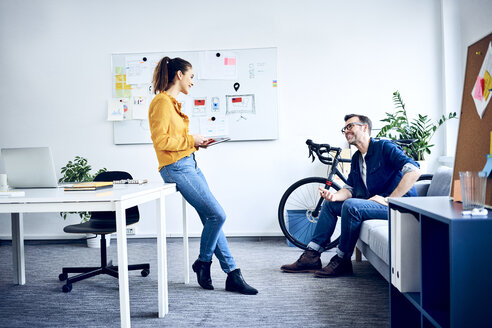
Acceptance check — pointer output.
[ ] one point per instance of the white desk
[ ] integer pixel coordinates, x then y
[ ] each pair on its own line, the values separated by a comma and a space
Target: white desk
117, 199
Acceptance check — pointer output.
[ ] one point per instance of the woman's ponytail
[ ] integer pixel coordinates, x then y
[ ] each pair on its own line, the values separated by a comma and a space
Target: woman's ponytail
165, 72
160, 79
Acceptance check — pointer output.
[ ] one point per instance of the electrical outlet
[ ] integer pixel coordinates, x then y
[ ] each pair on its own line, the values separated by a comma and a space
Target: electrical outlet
130, 230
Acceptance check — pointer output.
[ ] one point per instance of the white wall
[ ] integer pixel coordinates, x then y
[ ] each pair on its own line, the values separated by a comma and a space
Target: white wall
463, 22
333, 58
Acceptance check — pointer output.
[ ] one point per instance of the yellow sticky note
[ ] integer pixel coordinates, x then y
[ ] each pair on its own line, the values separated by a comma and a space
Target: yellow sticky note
128, 86
487, 85
119, 78
119, 86
118, 70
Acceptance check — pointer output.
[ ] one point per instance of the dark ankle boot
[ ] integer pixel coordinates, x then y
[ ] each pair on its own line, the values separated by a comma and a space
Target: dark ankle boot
202, 270
235, 283
309, 261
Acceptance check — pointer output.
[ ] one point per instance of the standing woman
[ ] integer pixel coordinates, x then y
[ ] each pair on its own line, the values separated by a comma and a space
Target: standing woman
175, 149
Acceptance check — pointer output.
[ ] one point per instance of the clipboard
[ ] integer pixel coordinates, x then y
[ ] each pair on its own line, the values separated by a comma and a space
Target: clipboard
214, 141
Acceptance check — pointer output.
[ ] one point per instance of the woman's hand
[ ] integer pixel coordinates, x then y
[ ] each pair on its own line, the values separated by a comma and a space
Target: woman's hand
201, 141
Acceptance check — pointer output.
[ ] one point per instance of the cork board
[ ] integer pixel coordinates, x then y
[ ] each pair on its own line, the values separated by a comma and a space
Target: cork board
474, 133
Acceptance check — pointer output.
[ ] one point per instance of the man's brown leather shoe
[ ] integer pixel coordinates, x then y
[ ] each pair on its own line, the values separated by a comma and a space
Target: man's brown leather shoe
308, 262
337, 267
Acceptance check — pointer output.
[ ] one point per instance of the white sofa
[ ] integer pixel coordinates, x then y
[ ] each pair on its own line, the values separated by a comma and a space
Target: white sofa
373, 238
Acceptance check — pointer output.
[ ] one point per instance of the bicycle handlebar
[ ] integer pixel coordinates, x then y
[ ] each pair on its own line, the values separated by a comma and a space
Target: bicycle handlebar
320, 149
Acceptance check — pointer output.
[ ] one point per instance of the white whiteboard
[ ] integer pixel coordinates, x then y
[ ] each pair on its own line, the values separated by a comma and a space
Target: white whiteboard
234, 93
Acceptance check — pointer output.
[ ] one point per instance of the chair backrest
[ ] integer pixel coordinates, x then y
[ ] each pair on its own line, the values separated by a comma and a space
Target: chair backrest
441, 182
103, 219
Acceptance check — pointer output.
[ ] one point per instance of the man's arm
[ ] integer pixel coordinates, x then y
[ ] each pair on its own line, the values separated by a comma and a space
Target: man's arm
406, 183
338, 196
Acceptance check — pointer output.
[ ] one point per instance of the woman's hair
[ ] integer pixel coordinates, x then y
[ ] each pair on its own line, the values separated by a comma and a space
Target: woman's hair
166, 70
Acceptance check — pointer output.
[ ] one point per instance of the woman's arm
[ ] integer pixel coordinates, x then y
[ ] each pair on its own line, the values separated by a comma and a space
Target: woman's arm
160, 123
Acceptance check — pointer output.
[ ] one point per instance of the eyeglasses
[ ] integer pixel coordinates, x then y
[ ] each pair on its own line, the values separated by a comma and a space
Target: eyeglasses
350, 126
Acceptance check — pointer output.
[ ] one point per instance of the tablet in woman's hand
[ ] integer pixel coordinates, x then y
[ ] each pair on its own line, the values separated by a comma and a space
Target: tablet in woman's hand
214, 141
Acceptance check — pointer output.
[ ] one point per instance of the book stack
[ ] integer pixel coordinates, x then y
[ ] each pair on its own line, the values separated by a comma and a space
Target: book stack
88, 186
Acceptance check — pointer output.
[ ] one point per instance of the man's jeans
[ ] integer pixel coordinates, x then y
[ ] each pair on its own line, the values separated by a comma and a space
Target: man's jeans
191, 183
353, 212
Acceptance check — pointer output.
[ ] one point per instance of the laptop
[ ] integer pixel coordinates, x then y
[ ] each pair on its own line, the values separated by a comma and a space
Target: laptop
29, 167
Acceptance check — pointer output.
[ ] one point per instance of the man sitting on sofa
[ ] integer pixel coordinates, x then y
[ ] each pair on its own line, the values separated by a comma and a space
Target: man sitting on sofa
379, 169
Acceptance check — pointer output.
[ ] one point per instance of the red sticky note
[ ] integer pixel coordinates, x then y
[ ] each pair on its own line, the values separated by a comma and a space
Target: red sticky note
230, 61
237, 100
479, 86
199, 102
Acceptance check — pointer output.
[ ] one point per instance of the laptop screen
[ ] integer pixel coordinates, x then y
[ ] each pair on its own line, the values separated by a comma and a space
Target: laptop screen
29, 167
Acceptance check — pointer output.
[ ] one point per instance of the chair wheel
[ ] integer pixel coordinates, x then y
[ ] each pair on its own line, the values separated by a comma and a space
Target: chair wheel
145, 272
67, 288
63, 276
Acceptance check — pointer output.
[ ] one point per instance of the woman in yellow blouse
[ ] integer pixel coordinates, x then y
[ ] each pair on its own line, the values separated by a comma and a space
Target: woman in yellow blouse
175, 149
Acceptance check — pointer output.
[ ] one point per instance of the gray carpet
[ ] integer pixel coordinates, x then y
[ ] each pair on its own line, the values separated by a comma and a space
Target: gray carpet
285, 300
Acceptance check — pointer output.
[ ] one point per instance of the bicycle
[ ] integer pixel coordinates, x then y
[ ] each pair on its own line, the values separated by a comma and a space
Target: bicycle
300, 205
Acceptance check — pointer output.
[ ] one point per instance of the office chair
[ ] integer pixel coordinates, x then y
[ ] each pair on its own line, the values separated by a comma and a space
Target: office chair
102, 223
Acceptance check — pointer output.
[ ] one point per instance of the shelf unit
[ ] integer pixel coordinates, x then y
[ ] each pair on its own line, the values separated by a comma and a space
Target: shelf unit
456, 267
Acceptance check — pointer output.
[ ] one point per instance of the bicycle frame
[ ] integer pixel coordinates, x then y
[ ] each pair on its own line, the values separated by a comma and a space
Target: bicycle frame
334, 161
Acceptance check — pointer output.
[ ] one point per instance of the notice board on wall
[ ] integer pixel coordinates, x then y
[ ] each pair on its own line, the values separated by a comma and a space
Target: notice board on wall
234, 94
474, 135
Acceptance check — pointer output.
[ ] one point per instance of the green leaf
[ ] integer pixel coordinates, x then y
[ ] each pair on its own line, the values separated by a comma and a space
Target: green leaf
420, 128
78, 171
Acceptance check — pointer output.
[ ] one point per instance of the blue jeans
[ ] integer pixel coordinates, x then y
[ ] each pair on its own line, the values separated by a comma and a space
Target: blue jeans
191, 183
353, 212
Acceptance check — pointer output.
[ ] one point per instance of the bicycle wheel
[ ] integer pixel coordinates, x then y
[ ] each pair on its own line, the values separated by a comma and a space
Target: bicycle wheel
299, 208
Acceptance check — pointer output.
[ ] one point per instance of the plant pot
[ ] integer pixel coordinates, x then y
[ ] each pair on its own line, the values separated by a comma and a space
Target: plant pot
424, 166
94, 241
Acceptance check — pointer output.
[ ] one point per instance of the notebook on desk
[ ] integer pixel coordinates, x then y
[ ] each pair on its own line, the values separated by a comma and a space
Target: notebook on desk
29, 167
88, 186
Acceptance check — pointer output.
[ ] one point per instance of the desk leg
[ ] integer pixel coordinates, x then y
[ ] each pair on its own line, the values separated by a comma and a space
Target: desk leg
162, 257
186, 249
122, 265
18, 248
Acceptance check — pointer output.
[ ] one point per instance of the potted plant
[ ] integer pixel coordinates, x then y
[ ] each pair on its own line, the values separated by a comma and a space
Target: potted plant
79, 170
421, 129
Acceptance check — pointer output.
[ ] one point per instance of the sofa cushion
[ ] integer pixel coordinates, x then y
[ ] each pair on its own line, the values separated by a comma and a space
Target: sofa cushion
379, 241
422, 187
367, 226
441, 182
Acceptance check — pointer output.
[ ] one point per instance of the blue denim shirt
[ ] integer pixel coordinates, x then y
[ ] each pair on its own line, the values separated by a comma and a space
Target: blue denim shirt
384, 163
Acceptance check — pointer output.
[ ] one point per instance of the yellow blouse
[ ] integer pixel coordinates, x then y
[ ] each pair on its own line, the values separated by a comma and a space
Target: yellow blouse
169, 130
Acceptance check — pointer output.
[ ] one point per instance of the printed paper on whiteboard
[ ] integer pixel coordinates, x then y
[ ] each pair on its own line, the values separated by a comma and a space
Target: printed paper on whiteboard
483, 84
240, 104
138, 69
140, 108
117, 109
217, 65
213, 126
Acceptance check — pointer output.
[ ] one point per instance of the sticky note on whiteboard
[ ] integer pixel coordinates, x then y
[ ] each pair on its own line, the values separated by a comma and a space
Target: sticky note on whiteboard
230, 61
